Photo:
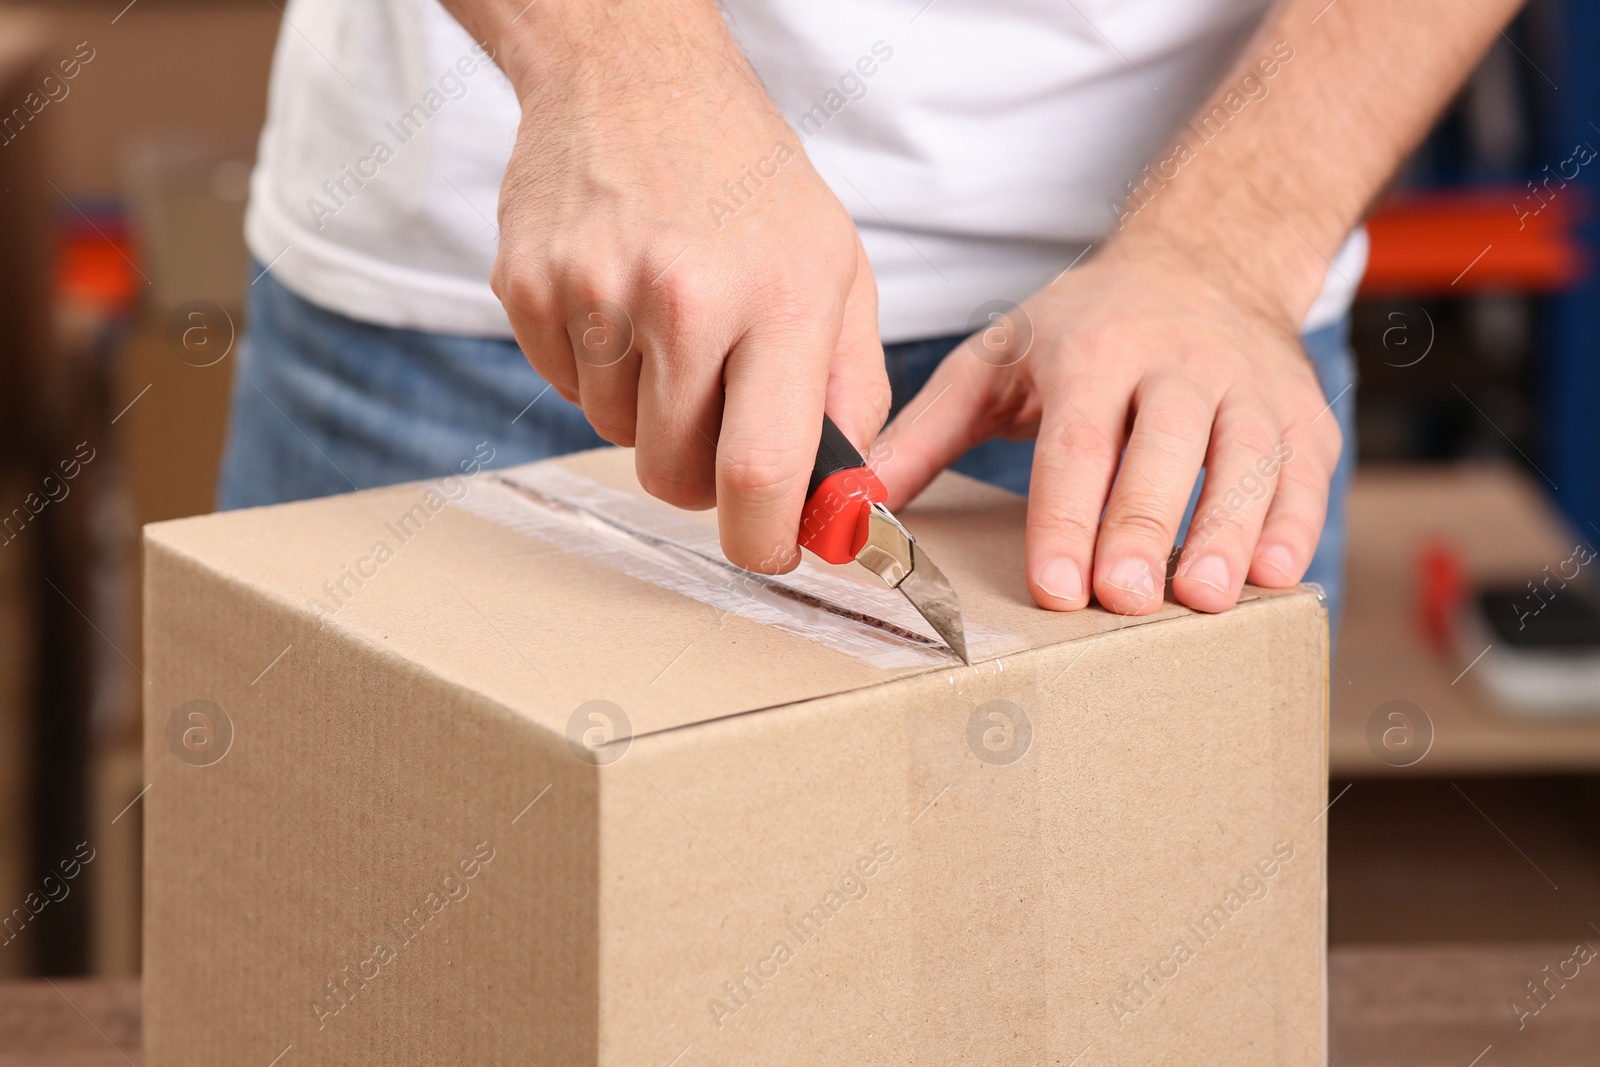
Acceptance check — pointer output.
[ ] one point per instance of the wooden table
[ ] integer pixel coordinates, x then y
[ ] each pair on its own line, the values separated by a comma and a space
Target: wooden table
1505, 529
1391, 1007
1417, 1006
69, 1023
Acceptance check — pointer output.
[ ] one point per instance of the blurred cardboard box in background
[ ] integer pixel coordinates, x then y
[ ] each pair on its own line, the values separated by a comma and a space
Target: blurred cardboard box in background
161, 121
137, 137
159, 68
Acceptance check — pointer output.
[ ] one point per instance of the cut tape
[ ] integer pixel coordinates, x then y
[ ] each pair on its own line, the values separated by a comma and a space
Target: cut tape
654, 543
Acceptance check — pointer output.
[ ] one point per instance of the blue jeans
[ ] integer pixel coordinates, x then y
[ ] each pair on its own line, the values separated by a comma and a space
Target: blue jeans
324, 404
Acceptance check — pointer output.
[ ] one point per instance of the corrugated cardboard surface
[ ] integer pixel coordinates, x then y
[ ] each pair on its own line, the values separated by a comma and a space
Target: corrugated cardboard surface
1023, 898
541, 632
841, 875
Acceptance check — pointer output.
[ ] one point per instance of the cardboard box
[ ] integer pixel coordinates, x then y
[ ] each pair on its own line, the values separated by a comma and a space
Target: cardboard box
502, 770
159, 71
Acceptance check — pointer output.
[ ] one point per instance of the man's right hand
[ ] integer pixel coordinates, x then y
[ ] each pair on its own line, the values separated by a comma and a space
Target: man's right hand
655, 194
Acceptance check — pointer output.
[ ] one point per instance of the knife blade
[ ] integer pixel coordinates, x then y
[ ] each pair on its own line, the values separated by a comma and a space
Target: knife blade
845, 520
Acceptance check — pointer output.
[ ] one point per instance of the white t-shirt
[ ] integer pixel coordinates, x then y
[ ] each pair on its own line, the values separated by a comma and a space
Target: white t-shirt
980, 147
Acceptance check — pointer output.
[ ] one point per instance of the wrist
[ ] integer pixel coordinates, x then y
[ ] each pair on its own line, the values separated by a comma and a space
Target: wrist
581, 46
1237, 242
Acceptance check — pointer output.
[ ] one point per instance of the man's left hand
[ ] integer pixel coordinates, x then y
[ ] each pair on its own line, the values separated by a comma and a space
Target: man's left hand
1132, 374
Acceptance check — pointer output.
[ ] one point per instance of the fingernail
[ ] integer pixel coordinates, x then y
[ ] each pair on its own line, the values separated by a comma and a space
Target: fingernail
1210, 570
1133, 576
1062, 579
1277, 557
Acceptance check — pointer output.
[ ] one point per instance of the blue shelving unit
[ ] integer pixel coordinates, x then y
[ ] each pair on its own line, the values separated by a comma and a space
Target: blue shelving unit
1568, 34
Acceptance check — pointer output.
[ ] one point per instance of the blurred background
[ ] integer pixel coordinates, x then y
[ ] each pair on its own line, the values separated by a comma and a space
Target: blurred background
1466, 686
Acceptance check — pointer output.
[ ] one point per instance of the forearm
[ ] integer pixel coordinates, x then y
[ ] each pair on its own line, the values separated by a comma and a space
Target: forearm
540, 44
1260, 194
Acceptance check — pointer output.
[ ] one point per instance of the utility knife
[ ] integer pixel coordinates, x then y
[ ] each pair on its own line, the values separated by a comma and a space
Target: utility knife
845, 520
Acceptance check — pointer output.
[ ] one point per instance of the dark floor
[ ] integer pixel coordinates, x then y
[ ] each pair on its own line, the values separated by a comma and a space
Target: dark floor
1464, 860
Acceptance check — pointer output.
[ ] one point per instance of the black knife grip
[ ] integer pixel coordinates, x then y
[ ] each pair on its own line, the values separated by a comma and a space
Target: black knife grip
835, 453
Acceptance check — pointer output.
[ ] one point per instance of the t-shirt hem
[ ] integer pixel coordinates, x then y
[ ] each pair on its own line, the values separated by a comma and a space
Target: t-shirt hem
369, 290
387, 294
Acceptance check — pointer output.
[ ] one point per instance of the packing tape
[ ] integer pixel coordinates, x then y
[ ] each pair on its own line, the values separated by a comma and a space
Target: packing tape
981, 889
655, 543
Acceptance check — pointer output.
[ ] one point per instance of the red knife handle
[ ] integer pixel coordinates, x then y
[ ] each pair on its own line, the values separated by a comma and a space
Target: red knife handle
839, 498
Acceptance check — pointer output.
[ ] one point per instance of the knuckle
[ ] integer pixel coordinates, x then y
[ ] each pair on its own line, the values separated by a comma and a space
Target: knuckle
1291, 526
676, 484
1299, 523
1252, 440
1182, 415
596, 283
785, 313
613, 429
503, 278
1081, 438
1096, 343
1332, 441
1141, 519
684, 292
761, 473
519, 288
875, 397
1309, 468
1066, 526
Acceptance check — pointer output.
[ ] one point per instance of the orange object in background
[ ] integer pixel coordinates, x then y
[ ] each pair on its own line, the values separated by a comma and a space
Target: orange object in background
95, 266
1441, 590
1467, 242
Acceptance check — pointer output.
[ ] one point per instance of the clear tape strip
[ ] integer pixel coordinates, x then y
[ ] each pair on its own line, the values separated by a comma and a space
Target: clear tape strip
657, 544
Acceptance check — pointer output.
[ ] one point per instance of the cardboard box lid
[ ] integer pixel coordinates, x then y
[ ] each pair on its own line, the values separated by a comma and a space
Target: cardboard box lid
419, 572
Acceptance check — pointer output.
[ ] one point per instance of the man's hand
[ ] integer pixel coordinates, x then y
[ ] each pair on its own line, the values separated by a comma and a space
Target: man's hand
671, 261
1147, 366
1179, 341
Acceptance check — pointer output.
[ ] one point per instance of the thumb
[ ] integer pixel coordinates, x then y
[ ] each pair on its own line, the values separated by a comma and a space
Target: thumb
858, 384
949, 415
